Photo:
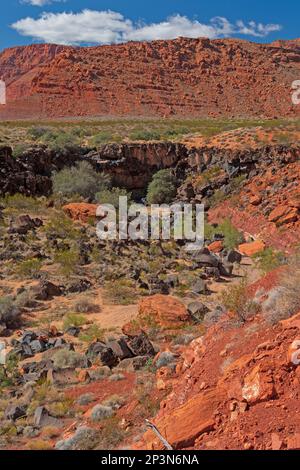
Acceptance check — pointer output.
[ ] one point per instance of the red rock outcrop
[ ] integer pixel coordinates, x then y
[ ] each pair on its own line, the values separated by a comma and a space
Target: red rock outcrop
165, 310
181, 77
238, 389
82, 211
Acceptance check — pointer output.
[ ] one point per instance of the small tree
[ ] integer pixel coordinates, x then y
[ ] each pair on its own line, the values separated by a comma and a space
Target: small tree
162, 188
80, 179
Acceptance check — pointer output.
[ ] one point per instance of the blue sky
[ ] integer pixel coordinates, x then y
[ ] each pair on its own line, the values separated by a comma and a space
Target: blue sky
101, 22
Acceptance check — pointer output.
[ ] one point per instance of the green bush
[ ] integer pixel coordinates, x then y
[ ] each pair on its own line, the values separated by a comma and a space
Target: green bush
19, 202
68, 261
269, 259
73, 319
102, 138
120, 292
60, 226
111, 196
59, 139
29, 268
162, 188
232, 237
37, 132
145, 135
94, 332
80, 179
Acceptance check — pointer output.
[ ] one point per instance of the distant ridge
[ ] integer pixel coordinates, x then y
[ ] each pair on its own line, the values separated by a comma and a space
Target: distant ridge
179, 78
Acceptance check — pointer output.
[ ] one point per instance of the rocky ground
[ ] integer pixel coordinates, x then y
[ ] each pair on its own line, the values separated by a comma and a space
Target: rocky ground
97, 337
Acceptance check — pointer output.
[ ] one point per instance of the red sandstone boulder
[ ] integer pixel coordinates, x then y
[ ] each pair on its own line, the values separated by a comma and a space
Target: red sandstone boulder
250, 249
216, 246
165, 310
82, 211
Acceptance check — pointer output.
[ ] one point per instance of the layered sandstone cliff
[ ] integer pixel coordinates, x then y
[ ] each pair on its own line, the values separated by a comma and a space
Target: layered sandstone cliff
182, 77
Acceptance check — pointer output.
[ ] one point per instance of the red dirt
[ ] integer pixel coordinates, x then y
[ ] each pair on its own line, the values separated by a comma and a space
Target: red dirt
182, 77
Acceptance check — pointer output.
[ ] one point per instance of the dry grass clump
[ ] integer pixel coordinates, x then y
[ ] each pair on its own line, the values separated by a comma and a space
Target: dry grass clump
284, 301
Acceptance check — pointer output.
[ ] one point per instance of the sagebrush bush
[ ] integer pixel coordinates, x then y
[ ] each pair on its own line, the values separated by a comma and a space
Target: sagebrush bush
80, 179
85, 306
100, 412
284, 301
9, 312
162, 188
64, 359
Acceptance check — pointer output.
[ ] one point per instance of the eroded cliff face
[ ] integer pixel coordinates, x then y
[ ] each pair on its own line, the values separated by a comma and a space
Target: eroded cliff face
132, 166
129, 165
182, 77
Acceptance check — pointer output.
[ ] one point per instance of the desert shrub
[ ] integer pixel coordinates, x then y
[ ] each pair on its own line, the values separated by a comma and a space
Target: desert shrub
111, 196
64, 359
72, 319
210, 174
19, 202
85, 399
19, 149
269, 259
120, 292
232, 237
218, 196
80, 179
62, 408
68, 261
111, 434
102, 138
84, 439
9, 313
61, 226
284, 300
37, 132
114, 401
59, 139
51, 432
29, 268
10, 375
39, 444
100, 412
92, 333
237, 302
145, 135
85, 306
162, 188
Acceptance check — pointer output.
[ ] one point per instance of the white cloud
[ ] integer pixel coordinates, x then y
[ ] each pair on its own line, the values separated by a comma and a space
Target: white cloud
105, 27
40, 3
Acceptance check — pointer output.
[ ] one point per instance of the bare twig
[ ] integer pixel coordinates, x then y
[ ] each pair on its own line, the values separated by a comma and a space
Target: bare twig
160, 437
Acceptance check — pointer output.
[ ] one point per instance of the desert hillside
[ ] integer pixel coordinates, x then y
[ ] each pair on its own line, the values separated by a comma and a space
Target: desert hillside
182, 77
